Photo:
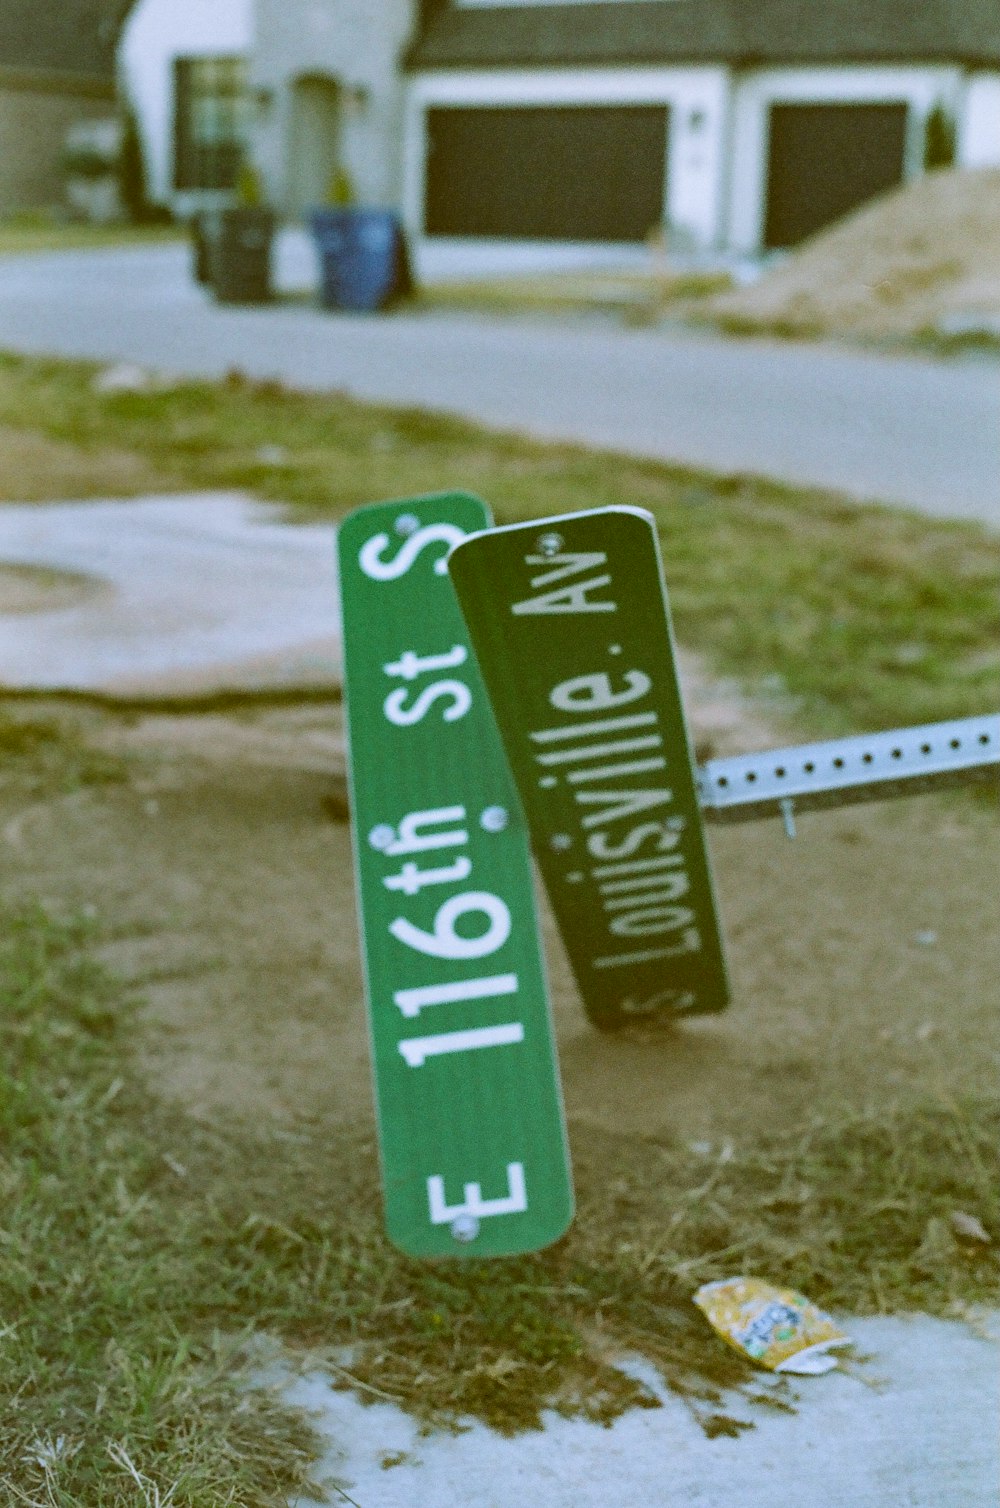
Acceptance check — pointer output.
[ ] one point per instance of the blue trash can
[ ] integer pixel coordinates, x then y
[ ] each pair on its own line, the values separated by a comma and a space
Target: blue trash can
362, 257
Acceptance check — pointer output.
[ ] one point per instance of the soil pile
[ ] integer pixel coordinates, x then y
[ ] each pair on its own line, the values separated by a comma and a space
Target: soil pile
921, 261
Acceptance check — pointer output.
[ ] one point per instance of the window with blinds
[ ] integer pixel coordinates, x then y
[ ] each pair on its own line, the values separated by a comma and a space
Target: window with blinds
211, 121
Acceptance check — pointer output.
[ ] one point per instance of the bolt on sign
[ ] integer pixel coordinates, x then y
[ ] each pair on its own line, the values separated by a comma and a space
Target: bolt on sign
570, 625
471, 1126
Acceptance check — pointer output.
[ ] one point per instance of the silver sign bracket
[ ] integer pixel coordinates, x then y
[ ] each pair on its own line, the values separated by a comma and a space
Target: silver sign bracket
842, 771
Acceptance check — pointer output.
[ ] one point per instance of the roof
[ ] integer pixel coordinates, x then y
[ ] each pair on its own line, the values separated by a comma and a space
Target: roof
61, 36
751, 32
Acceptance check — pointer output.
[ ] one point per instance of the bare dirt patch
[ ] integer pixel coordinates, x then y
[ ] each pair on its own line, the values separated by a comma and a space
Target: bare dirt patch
863, 959
923, 259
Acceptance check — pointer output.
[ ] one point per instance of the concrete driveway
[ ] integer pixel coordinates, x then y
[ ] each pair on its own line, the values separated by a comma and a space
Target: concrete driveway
907, 430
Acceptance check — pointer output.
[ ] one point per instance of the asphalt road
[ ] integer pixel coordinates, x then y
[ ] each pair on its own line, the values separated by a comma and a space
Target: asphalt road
898, 429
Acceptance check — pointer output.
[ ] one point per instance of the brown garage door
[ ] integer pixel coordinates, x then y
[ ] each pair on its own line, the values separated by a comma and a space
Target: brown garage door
825, 160
564, 173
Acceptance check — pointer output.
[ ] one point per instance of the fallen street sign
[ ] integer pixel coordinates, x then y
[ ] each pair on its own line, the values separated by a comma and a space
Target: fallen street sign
469, 1104
569, 621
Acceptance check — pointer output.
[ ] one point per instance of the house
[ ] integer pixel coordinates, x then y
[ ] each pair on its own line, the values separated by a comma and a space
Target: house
57, 70
183, 76
329, 85
738, 126
725, 126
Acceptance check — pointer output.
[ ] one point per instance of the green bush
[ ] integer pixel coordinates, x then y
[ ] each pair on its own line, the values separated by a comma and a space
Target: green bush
939, 139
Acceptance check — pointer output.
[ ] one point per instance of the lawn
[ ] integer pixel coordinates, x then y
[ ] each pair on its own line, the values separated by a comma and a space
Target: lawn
27, 235
859, 618
148, 1235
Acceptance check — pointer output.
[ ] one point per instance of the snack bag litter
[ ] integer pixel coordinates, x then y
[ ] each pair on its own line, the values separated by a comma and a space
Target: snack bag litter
776, 1327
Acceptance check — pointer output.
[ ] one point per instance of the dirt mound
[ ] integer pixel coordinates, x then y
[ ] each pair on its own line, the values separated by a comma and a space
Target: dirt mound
922, 260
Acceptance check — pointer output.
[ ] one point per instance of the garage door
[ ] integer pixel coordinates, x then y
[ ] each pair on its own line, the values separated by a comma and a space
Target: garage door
825, 160
564, 173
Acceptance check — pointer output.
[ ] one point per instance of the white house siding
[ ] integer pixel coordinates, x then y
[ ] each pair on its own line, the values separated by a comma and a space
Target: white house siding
754, 94
355, 46
157, 32
696, 98
979, 122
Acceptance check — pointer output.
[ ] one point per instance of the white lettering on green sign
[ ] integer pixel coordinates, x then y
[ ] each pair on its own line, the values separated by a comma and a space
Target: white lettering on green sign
638, 896
578, 657
567, 599
428, 832
370, 557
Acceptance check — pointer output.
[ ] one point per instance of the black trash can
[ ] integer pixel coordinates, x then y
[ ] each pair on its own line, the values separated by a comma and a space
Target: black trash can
204, 233
240, 256
363, 258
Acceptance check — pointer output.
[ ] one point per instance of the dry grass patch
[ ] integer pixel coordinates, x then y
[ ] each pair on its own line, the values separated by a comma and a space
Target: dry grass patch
36, 468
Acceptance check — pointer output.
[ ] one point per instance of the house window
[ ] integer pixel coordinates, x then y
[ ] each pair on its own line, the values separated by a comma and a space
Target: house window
211, 110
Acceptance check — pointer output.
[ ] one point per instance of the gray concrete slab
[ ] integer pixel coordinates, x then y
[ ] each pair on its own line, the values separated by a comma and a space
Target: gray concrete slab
913, 1426
905, 430
167, 595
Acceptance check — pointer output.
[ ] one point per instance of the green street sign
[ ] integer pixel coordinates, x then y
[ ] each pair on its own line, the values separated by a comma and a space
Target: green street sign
569, 621
470, 1115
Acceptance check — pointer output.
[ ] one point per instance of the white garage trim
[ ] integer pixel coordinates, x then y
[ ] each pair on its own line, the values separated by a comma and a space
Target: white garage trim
919, 88
979, 122
696, 97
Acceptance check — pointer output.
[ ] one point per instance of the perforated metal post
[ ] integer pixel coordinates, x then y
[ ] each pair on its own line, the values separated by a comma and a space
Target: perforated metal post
842, 771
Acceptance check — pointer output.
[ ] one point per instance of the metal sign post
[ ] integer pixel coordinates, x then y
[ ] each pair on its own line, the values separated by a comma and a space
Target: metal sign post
571, 629
469, 1103
842, 771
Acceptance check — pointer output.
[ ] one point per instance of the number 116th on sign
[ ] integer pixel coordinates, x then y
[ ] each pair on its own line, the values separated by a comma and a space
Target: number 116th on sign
437, 833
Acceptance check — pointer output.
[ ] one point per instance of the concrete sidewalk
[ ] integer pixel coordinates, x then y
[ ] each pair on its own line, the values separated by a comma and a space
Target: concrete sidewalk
904, 430
914, 1424
168, 596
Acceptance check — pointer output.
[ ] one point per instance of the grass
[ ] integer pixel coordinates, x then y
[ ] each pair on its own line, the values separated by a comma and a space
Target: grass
140, 1252
29, 234
112, 1391
847, 618
47, 755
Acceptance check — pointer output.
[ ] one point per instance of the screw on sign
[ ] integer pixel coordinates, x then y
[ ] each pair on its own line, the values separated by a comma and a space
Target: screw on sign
469, 1105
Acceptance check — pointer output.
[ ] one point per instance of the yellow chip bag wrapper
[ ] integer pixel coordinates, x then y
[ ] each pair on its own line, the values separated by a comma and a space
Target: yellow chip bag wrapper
776, 1327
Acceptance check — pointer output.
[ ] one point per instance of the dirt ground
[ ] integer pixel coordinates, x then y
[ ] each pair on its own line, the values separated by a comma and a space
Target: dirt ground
36, 468
863, 954
923, 259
